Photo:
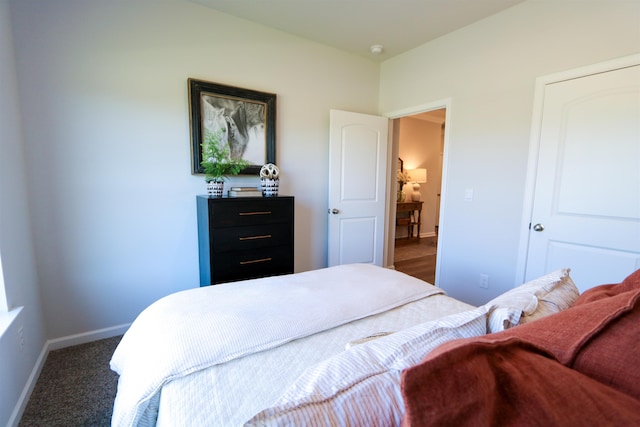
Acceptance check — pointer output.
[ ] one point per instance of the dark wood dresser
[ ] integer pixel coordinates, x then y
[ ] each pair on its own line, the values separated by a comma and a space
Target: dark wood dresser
244, 237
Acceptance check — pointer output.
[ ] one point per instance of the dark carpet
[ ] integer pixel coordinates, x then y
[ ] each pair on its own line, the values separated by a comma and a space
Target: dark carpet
76, 388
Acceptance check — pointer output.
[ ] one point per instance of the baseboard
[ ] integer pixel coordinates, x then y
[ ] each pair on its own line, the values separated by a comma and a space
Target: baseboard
86, 337
430, 234
422, 235
57, 344
14, 420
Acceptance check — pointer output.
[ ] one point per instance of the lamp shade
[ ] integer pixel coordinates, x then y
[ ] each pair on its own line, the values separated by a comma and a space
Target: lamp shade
418, 175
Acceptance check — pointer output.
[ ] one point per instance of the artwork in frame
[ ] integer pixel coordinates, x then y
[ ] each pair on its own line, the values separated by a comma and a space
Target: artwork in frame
246, 119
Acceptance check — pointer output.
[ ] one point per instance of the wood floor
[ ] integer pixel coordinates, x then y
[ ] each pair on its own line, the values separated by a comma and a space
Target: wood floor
417, 258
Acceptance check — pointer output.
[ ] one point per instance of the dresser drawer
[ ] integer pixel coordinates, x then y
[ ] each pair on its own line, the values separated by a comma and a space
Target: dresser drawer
252, 237
251, 212
232, 266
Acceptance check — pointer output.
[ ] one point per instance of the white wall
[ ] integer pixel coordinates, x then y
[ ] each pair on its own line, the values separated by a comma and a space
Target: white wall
103, 87
16, 249
488, 69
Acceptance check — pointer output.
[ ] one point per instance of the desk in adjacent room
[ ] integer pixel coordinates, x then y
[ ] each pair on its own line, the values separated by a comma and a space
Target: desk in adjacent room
408, 213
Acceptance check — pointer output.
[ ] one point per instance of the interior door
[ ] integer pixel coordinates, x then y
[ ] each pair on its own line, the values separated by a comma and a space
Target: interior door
358, 145
586, 209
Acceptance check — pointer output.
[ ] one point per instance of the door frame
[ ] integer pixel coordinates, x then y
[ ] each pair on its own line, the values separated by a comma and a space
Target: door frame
534, 143
390, 232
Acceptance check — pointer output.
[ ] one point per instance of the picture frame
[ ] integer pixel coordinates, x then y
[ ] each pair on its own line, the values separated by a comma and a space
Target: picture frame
247, 117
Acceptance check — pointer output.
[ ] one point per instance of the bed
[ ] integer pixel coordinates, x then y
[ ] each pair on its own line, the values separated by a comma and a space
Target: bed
324, 347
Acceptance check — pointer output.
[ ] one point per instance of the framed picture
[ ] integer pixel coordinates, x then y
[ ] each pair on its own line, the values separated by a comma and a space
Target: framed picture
246, 119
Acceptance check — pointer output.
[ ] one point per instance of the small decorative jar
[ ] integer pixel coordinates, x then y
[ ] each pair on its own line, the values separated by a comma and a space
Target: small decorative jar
270, 187
215, 188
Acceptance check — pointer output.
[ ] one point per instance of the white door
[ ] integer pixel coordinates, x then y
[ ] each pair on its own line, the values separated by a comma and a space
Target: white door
358, 145
586, 208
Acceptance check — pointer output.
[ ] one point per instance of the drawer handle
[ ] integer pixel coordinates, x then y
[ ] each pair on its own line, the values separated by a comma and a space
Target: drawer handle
253, 261
255, 213
265, 236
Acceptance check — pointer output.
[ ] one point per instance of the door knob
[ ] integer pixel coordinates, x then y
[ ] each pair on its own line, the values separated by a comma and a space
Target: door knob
538, 227
335, 211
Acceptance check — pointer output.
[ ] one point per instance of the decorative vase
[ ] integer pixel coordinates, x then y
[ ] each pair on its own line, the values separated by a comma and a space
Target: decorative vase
270, 187
400, 196
214, 188
415, 195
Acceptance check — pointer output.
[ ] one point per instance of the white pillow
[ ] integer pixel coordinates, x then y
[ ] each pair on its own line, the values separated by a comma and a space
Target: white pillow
361, 386
538, 298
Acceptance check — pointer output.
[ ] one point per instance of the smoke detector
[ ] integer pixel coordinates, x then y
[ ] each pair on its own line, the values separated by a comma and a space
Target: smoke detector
376, 49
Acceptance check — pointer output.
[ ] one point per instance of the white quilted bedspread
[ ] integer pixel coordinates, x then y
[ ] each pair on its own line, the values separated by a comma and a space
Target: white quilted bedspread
228, 395
192, 330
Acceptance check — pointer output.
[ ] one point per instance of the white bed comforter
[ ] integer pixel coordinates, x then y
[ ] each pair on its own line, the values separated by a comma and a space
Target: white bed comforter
195, 329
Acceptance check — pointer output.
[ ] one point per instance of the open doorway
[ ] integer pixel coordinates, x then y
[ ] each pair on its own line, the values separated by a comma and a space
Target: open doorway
419, 140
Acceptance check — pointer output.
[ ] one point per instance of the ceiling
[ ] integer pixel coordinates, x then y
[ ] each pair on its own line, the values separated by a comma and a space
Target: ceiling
355, 25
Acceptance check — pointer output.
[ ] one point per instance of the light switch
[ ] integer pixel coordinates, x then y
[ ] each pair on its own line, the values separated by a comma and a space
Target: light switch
468, 195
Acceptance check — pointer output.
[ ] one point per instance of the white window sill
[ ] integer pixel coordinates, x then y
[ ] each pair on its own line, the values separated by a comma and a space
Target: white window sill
7, 318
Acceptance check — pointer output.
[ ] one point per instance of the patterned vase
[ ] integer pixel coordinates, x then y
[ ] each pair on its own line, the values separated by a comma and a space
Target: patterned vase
270, 187
214, 188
